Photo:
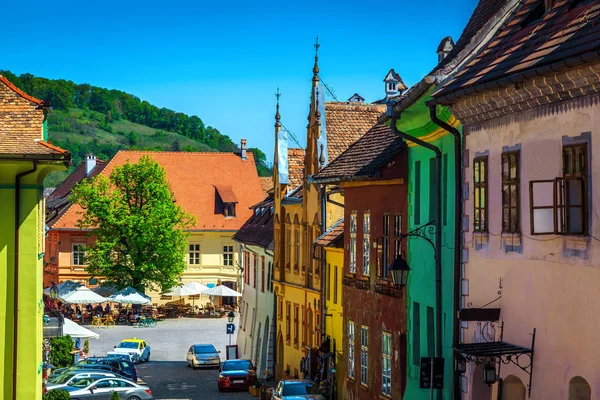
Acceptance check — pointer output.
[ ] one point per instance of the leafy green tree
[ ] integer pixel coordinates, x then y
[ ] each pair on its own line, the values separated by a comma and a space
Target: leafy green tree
140, 238
60, 351
57, 394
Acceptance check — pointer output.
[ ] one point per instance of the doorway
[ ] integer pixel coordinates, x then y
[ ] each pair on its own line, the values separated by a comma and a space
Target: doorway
481, 390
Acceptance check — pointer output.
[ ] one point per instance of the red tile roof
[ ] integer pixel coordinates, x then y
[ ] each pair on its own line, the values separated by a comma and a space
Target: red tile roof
295, 167
566, 36
334, 237
258, 229
346, 123
21, 125
226, 193
266, 182
192, 178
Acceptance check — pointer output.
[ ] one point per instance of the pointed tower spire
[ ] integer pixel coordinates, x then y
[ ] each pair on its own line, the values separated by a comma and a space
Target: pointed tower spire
277, 115
316, 67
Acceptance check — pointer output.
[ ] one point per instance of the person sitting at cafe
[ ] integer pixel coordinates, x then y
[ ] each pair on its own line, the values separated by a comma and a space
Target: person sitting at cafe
78, 312
98, 310
89, 308
107, 308
130, 318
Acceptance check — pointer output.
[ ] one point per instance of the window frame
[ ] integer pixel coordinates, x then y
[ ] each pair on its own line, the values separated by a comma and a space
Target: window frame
364, 355
262, 281
296, 324
78, 254
352, 246
288, 322
296, 250
228, 254
335, 286
351, 349
482, 186
508, 158
197, 253
386, 359
366, 243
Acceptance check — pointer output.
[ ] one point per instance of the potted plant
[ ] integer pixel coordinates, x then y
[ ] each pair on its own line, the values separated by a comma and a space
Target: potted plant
255, 388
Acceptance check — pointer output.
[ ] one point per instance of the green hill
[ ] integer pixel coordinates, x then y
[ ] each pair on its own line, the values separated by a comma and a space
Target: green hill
88, 119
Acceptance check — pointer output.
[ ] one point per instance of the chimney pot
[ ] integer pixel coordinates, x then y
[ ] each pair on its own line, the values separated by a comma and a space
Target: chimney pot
90, 164
243, 149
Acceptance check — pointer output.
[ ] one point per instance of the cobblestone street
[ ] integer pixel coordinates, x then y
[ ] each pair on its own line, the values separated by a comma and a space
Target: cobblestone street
167, 373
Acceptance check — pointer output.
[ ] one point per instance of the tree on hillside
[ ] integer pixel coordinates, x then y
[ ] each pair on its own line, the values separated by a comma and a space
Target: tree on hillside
140, 238
260, 159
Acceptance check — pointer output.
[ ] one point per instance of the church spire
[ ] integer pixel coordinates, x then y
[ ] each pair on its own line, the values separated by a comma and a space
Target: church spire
316, 67
277, 115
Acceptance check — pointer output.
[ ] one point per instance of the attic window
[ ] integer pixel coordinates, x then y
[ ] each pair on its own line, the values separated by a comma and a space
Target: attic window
229, 209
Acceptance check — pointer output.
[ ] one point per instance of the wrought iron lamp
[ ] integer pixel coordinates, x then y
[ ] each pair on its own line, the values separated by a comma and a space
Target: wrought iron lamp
461, 365
489, 374
53, 291
230, 317
399, 271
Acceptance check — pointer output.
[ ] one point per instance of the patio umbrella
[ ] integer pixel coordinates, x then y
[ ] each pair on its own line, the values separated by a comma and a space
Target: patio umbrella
222, 290
78, 331
105, 290
64, 288
180, 291
195, 288
129, 295
82, 295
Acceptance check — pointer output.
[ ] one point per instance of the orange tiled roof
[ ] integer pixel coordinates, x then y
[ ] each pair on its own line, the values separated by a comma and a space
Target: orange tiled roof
295, 167
348, 122
334, 237
21, 124
192, 178
266, 182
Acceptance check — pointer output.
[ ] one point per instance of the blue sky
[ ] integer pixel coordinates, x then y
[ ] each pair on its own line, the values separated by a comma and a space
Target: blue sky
223, 60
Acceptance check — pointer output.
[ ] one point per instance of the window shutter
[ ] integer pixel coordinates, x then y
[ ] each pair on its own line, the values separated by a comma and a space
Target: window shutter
542, 196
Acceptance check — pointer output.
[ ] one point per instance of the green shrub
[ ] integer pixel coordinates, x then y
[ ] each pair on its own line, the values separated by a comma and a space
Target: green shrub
86, 346
57, 394
60, 351
115, 396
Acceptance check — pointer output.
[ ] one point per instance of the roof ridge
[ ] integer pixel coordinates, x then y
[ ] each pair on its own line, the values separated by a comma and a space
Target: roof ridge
52, 147
181, 152
18, 91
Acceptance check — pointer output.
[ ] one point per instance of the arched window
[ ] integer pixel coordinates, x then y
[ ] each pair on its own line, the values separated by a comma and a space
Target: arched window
579, 389
513, 389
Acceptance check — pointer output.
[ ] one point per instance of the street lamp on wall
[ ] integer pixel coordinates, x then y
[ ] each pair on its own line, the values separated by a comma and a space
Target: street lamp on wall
53, 291
489, 374
461, 365
400, 271
230, 317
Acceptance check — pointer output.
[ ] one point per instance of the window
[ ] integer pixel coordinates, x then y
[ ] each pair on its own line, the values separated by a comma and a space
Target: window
288, 315
78, 254
364, 355
318, 251
270, 277
481, 201
262, 277
397, 234
194, 255
228, 256
510, 192
335, 286
430, 330
351, 347
296, 323
416, 339
328, 282
280, 307
353, 242
296, 250
559, 206
288, 245
255, 262
417, 203
366, 243
230, 210
386, 363
385, 247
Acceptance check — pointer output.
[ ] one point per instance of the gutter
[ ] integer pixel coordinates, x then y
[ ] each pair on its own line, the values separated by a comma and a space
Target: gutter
457, 229
16, 275
438, 227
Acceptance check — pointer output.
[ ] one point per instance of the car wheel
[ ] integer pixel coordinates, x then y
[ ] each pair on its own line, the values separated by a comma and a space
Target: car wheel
188, 364
133, 398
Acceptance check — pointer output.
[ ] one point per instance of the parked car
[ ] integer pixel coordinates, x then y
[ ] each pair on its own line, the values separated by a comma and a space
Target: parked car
126, 367
203, 355
137, 348
70, 376
296, 389
102, 368
104, 388
112, 354
236, 374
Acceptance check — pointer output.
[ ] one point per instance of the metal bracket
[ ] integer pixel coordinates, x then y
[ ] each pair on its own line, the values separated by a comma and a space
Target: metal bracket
425, 231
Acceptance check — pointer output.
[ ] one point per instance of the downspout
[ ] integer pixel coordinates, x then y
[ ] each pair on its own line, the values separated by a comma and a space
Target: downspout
457, 228
438, 229
322, 190
16, 276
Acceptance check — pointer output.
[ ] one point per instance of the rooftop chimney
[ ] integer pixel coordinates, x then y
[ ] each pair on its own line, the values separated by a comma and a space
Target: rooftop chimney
243, 148
90, 164
444, 48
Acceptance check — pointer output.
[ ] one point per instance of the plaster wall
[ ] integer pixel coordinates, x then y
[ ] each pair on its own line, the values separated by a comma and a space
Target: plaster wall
545, 282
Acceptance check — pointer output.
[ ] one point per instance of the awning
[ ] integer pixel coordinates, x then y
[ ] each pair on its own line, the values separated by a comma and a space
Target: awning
473, 351
226, 193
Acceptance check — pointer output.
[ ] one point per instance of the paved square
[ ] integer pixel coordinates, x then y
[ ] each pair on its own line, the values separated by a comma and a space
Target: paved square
167, 373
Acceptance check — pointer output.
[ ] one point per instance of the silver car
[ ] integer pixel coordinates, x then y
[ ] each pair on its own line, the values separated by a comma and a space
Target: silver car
296, 389
103, 389
68, 377
203, 355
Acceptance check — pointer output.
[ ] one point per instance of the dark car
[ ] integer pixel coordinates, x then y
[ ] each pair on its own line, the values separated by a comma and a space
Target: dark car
125, 367
236, 374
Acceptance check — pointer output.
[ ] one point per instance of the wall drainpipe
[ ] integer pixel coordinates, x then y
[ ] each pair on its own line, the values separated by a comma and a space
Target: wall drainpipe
322, 189
457, 229
16, 275
438, 228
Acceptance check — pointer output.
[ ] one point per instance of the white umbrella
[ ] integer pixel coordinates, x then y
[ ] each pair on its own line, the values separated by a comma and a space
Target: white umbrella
196, 287
81, 296
222, 290
180, 291
78, 331
129, 295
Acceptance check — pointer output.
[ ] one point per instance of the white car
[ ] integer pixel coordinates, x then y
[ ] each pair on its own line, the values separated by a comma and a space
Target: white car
61, 380
137, 348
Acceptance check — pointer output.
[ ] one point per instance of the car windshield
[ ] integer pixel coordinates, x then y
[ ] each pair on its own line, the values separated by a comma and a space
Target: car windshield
81, 382
299, 389
61, 379
204, 349
237, 365
128, 345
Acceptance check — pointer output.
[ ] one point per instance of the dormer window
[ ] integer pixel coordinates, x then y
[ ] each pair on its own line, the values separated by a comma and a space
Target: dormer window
229, 209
